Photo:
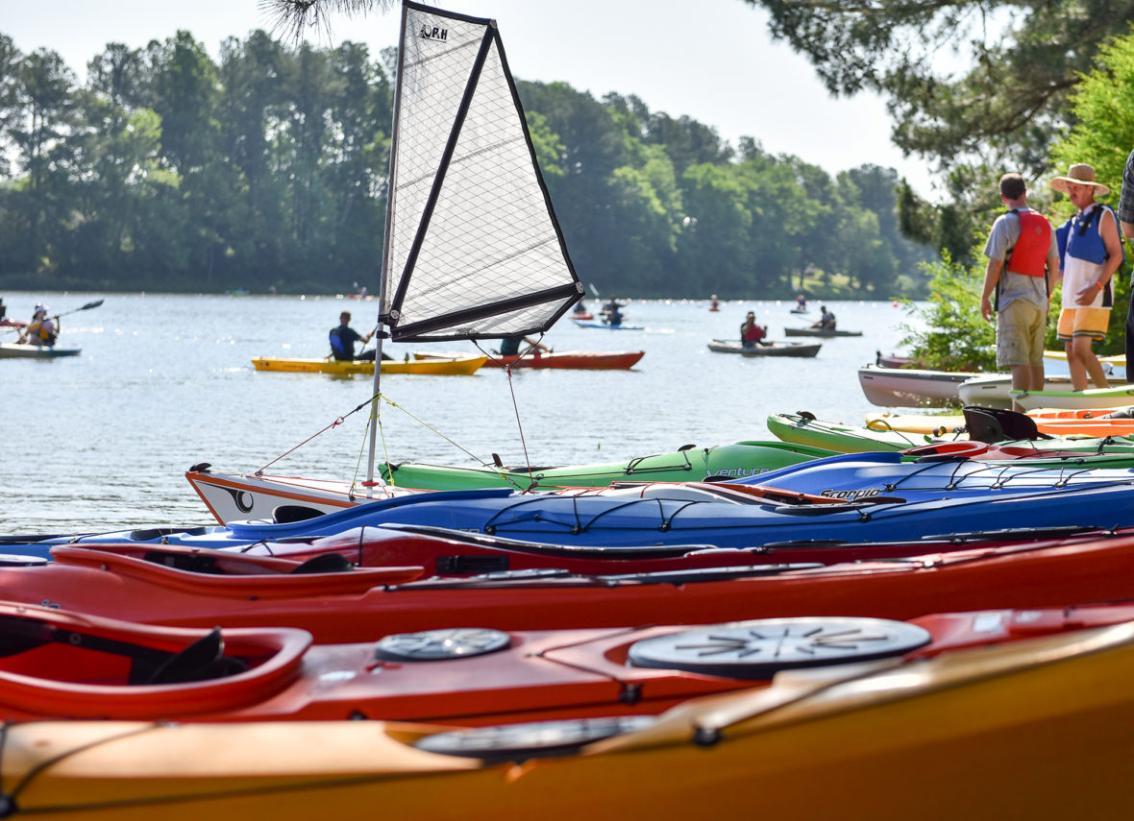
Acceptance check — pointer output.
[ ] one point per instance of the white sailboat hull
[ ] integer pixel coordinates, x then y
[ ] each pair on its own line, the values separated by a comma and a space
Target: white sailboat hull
232, 497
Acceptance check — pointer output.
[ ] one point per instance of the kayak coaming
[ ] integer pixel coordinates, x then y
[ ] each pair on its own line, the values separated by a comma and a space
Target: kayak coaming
454, 366
972, 729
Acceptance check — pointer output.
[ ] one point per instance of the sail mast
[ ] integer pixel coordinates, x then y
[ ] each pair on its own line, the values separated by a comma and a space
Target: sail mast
386, 251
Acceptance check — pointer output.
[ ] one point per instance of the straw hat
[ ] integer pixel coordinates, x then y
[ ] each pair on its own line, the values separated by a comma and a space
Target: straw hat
1079, 174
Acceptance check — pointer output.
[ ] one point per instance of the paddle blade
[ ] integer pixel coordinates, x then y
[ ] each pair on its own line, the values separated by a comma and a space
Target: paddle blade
90, 305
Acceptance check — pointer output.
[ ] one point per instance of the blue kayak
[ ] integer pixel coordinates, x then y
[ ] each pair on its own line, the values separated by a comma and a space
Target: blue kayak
855, 476
671, 515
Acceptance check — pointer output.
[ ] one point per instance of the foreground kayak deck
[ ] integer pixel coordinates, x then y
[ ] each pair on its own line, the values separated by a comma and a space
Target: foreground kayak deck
13, 350
800, 349
456, 366
965, 734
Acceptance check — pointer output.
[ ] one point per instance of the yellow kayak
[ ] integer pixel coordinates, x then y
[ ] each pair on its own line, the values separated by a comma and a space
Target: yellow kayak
930, 425
1040, 728
1117, 360
434, 366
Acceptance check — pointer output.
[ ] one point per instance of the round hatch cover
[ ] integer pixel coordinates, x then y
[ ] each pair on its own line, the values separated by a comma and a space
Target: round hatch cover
520, 741
762, 648
441, 645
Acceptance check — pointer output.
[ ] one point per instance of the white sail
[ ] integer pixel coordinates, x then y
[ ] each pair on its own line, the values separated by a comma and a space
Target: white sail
473, 249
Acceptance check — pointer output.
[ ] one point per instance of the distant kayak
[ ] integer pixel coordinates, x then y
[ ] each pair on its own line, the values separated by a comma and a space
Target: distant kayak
606, 327
818, 332
583, 316
13, 350
799, 311
571, 360
453, 366
798, 349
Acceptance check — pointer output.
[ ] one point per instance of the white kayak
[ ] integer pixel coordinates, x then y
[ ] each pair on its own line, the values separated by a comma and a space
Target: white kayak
14, 350
994, 390
1119, 396
910, 387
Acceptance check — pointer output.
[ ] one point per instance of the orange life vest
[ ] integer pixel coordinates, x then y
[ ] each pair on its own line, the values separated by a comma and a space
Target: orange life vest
1029, 255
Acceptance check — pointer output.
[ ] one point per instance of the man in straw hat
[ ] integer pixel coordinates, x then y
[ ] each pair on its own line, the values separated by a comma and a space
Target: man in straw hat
1089, 254
1126, 218
1022, 265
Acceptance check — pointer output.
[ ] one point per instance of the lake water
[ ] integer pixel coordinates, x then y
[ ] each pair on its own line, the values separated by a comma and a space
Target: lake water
164, 382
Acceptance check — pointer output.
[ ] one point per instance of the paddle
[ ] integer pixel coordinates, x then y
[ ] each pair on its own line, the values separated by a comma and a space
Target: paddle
86, 307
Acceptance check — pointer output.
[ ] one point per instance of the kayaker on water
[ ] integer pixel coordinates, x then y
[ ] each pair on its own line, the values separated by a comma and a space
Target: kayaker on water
612, 313
343, 338
580, 307
826, 319
510, 346
800, 302
42, 330
752, 334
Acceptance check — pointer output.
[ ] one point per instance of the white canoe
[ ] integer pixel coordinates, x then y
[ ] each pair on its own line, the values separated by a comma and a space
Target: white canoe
995, 390
13, 350
910, 387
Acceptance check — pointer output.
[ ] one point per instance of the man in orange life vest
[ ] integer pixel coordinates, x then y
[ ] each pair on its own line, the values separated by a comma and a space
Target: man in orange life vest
1023, 262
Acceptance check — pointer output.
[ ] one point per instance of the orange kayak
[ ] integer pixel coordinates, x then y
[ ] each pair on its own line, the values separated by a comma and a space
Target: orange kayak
571, 360
1097, 423
65, 665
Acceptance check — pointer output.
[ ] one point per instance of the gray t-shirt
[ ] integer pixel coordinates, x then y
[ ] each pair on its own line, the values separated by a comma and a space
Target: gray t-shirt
1003, 237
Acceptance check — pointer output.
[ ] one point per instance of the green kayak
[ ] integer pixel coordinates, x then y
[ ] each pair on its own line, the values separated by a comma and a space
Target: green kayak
805, 431
688, 464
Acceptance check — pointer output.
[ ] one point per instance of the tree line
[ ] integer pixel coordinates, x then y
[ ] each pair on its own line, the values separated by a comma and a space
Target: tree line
265, 169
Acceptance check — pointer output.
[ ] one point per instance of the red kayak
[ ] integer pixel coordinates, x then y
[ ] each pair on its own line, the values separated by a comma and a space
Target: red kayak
570, 360
63, 665
584, 316
184, 587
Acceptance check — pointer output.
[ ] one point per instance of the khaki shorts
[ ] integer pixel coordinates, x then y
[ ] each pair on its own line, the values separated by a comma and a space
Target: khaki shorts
1090, 322
1020, 330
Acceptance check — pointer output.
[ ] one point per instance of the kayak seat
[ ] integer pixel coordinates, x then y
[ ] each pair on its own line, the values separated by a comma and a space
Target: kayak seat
289, 514
992, 425
149, 534
189, 562
325, 563
202, 660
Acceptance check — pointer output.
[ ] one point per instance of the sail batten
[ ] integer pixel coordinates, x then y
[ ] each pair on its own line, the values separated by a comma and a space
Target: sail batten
474, 250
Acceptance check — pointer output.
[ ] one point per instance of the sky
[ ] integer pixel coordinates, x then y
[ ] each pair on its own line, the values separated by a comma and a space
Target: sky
712, 60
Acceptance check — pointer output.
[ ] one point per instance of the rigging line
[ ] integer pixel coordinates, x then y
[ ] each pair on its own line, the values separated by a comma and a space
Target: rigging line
338, 421
385, 448
361, 448
432, 429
